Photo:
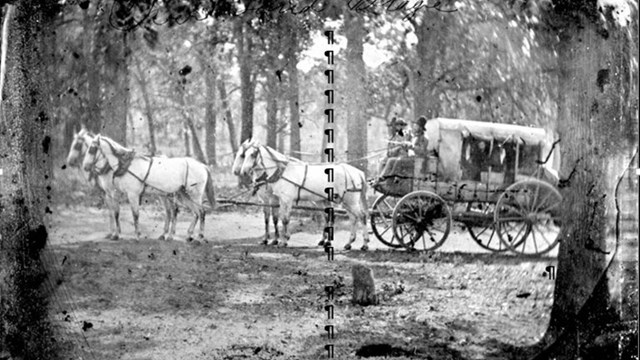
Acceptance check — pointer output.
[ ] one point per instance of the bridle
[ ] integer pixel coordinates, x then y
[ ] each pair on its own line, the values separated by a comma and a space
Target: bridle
93, 151
258, 161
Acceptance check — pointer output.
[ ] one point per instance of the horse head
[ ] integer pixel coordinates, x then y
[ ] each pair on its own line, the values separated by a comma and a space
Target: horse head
78, 146
252, 160
239, 159
90, 156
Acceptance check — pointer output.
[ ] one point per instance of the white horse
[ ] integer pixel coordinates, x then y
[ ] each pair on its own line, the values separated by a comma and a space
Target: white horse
184, 178
265, 194
292, 181
101, 174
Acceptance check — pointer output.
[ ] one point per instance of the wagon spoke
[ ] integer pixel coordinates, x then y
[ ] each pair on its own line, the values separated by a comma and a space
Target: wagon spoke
385, 230
552, 206
543, 236
533, 239
514, 239
535, 198
515, 198
541, 203
419, 213
508, 207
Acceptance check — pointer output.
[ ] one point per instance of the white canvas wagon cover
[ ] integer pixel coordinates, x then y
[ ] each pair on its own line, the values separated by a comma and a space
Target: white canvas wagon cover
489, 131
446, 137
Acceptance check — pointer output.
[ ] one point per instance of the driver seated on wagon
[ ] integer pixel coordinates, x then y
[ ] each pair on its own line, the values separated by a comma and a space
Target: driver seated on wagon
398, 146
412, 146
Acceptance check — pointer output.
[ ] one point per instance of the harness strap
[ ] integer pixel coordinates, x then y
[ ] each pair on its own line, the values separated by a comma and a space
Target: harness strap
275, 176
306, 189
353, 188
148, 171
186, 175
304, 179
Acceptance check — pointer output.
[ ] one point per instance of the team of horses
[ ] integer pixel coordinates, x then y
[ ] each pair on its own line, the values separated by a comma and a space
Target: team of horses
279, 181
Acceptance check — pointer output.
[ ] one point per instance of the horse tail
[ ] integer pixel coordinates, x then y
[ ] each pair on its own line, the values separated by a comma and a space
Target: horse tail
211, 195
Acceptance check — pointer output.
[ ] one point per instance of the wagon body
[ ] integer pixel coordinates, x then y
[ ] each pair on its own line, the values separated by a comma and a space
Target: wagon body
490, 169
461, 171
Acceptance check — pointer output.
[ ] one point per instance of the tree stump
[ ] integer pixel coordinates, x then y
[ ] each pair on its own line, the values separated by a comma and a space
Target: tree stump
364, 290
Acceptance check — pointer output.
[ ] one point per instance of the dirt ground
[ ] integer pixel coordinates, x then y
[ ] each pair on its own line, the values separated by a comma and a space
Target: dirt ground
231, 298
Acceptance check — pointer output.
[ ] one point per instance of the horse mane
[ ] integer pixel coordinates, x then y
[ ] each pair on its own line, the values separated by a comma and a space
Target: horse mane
117, 149
123, 155
278, 155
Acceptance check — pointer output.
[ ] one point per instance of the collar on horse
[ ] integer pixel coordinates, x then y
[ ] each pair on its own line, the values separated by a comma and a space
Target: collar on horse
276, 175
124, 161
125, 158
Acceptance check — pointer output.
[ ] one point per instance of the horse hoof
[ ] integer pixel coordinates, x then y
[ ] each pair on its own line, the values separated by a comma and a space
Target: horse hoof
274, 242
169, 238
114, 237
265, 242
200, 236
189, 239
161, 237
347, 247
364, 248
282, 245
108, 236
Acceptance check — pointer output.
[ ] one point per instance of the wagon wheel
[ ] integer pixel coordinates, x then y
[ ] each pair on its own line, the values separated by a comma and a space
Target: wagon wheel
527, 217
483, 230
381, 222
421, 221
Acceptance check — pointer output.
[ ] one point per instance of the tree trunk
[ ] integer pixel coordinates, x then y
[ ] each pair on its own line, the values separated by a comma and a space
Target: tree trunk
112, 50
148, 108
181, 92
355, 98
228, 117
197, 148
272, 108
294, 101
210, 118
247, 85
92, 116
25, 179
431, 34
600, 129
187, 143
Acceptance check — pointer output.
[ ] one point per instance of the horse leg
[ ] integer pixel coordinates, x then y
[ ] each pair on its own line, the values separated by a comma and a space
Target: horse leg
114, 222
167, 217
325, 235
111, 217
201, 214
266, 211
196, 215
134, 201
116, 216
285, 211
365, 232
274, 217
353, 219
174, 219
